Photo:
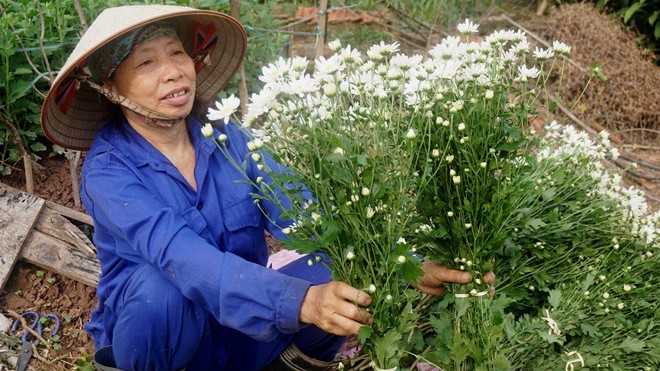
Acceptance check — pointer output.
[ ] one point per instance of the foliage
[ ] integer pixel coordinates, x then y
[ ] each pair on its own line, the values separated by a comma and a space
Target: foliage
22, 88
359, 35
642, 15
447, 13
85, 362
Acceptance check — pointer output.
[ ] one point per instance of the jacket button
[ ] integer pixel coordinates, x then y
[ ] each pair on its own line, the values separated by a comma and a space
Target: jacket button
199, 205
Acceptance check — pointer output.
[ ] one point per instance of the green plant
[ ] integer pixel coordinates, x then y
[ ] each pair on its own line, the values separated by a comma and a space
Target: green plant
643, 15
85, 362
22, 86
446, 13
359, 36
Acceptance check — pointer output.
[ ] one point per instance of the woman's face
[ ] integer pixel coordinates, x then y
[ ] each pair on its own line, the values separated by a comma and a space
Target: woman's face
158, 75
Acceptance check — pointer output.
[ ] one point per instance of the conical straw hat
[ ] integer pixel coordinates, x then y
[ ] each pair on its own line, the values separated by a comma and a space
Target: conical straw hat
71, 119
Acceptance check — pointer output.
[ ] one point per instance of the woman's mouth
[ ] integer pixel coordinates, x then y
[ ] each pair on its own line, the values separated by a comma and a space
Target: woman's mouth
178, 97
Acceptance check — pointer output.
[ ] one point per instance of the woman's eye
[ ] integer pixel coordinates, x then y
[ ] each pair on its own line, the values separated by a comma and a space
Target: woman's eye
145, 63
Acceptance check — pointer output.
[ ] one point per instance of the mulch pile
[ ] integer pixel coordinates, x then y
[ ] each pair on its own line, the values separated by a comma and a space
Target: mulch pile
629, 98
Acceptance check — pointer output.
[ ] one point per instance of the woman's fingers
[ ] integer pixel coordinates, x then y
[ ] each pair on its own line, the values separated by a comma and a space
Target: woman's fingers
489, 277
435, 275
336, 308
351, 294
437, 291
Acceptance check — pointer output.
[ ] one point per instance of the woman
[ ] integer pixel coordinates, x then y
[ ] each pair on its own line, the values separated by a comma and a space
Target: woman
184, 282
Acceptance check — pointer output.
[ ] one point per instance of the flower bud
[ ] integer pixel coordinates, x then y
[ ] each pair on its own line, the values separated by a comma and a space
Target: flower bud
207, 130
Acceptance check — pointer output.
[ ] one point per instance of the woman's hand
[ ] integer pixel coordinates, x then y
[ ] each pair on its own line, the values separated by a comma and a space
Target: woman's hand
336, 307
435, 276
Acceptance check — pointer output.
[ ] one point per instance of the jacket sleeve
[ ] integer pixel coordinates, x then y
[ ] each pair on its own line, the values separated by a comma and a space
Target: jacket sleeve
242, 295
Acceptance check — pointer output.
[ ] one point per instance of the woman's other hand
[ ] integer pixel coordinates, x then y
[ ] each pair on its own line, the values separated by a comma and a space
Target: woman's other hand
435, 276
336, 307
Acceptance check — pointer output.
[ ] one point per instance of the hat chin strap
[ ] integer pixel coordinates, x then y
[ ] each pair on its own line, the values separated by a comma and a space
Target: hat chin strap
150, 116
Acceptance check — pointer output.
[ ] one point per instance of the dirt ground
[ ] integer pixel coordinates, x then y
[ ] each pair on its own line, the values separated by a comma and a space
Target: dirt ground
35, 289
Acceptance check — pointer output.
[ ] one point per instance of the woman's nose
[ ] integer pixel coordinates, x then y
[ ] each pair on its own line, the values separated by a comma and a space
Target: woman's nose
170, 70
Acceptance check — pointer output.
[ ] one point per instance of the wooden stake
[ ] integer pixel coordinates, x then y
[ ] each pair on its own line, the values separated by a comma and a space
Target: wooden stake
242, 85
81, 15
323, 21
27, 160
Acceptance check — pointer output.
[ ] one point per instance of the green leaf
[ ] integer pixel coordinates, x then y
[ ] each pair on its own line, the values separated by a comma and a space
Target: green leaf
632, 345
549, 337
37, 147
334, 157
443, 330
388, 345
417, 341
534, 224
22, 71
656, 32
510, 247
590, 330
549, 194
330, 232
462, 305
555, 298
653, 17
588, 281
365, 333
411, 271
632, 10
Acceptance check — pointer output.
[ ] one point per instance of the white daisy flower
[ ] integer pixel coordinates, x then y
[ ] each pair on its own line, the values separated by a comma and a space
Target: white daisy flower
560, 48
335, 45
467, 27
543, 54
226, 107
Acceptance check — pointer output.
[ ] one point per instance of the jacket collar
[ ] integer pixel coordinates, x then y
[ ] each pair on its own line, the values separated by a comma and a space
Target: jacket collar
141, 152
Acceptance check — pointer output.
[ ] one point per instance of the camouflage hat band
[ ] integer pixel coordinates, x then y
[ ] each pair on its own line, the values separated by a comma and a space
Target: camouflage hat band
103, 63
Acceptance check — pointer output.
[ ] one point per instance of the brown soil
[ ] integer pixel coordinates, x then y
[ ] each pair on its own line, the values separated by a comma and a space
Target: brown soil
32, 288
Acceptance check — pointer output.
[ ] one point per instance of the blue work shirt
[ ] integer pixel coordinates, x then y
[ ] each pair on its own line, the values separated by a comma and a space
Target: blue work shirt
209, 243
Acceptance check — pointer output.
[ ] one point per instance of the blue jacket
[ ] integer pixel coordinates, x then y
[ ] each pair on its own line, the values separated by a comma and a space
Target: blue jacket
209, 243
